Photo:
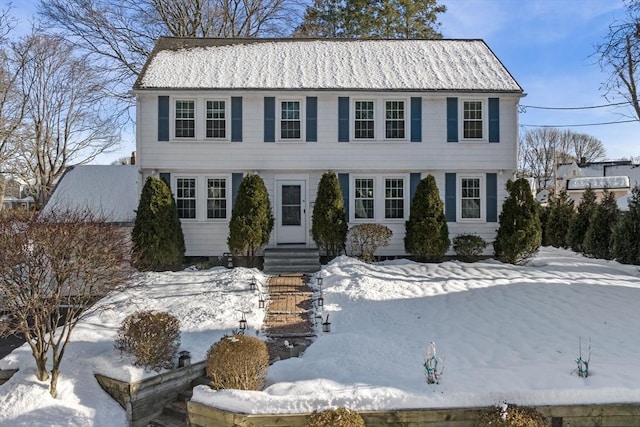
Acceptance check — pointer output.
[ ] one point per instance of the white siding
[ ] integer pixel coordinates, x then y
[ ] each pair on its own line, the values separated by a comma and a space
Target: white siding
253, 154
310, 159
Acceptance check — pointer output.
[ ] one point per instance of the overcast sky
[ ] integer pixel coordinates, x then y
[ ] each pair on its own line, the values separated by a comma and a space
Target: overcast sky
548, 47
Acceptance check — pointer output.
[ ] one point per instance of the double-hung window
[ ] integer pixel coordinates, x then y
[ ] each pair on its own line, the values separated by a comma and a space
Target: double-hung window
185, 121
472, 123
290, 120
394, 198
364, 122
216, 198
394, 119
364, 198
186, 197
216, 119
470, 198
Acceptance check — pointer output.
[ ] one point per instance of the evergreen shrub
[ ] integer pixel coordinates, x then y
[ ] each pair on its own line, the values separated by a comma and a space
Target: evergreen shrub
339, 417
158, 242
580, 223
153, 339
426, 231
626, 237
329, 226
469, 247
561, 213
519, 234
598, 241
251, 220
365, 239
239, 362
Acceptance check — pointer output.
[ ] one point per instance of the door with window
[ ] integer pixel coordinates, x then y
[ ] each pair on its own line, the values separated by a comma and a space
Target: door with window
291, 213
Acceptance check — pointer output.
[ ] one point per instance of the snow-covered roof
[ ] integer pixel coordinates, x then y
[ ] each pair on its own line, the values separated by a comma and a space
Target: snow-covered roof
434, 65
598, 182
105, 190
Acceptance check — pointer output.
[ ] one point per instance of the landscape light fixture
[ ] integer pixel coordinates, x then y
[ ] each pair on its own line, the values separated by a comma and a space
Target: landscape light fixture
320, 301
326, 326
228, 257
184, 358
320, 280
243, 323
252, 285
261, 302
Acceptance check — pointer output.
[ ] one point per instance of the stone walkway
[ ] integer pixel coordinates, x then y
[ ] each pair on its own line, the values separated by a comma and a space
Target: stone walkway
290, 316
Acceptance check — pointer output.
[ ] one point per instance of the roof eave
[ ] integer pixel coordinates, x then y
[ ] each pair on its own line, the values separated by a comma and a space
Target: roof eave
323, 89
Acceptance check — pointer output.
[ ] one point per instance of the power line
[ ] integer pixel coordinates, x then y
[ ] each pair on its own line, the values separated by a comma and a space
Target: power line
578, 125
524, 107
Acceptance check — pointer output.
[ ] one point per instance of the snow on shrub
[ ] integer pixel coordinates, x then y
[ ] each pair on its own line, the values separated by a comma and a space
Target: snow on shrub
239, 362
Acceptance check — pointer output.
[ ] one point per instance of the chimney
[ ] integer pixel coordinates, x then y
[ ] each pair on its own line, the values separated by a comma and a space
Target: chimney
133, 158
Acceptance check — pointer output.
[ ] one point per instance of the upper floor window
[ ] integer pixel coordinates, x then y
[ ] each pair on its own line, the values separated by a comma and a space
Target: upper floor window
394, 120
364, 123
186, 197
185, 125
216, 119
216, 198
470, 198
290, 120
364, 198
472, 124
394, 198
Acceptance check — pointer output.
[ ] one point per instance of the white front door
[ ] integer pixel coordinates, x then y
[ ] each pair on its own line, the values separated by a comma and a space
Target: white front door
291, 218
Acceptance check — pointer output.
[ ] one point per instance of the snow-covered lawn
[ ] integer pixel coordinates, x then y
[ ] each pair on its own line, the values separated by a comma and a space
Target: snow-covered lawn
505, 333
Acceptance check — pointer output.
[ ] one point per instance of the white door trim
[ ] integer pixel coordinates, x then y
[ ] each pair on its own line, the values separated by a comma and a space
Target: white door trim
292, 234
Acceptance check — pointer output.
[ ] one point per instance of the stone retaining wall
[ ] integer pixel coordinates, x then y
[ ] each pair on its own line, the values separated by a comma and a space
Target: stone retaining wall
144, 400
6, 374
620, 415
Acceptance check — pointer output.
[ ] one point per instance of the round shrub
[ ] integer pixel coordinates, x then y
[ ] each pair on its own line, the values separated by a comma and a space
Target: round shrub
238, 361
365, 239
510, 415
153, 339
468, 247
339, 417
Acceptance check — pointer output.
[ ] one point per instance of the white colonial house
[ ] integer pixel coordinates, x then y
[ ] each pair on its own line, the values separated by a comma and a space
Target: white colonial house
381, 114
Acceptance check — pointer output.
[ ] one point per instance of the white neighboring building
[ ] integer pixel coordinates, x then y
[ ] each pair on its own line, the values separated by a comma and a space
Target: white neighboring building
618, 185
619, 177
382, 114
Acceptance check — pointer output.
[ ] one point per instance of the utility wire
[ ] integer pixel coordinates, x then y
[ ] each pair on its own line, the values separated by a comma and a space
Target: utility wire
579, 125
574, 108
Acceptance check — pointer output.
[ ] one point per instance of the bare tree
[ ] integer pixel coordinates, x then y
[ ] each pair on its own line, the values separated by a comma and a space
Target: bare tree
51, 270
11, 103
541, 150
582, 147
65, 118
119, 35
619, 55
537, 155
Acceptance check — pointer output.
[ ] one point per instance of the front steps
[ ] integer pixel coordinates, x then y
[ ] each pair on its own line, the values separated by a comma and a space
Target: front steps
291, 260
174, 413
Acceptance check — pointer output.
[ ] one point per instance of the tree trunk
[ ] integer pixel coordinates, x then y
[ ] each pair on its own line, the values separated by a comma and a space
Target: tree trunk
53, 385
41, 365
